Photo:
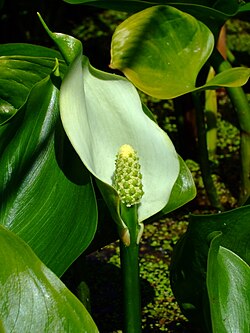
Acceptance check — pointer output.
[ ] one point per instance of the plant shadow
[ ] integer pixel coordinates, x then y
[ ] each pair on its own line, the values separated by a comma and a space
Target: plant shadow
105, 285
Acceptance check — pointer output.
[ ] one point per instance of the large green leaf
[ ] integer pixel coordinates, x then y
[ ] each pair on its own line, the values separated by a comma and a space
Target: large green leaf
161, 51
23, 65
153, 49
189, 264
228, 283
46, 195
29, 50
32, 298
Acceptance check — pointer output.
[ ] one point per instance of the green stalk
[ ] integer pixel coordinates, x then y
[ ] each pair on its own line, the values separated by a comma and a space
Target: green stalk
129, 256
211, 117
203, 152
242, 107
128, 183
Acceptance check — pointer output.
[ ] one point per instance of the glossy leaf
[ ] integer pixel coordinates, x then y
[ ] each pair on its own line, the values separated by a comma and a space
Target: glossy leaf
100, 112
46, 195
189, 264
68, 46
153, 49
23, 65
228, 283
28, 50
233, 77
32, 298
161, 50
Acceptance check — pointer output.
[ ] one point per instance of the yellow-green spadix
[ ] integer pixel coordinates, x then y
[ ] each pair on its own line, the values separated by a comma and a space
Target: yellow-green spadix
127, 176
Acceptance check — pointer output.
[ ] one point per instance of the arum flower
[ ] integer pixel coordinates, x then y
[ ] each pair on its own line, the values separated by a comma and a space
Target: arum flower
100, 113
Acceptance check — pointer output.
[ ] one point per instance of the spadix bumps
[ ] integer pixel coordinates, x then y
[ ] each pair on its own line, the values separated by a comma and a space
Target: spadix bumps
127, 177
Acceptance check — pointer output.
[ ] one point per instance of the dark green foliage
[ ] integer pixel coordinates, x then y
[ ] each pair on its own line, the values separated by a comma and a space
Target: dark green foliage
189, 264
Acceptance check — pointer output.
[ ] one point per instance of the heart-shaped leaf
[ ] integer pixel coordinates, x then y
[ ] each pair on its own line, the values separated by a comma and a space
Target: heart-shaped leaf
46, 194
33, 299
161, 50
228, 283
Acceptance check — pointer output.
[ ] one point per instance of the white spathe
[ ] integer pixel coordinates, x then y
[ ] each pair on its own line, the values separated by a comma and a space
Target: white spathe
100, 113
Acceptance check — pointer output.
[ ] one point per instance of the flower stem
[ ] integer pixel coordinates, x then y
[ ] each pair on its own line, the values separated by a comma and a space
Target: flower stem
129, 256
203, 152
242, 107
